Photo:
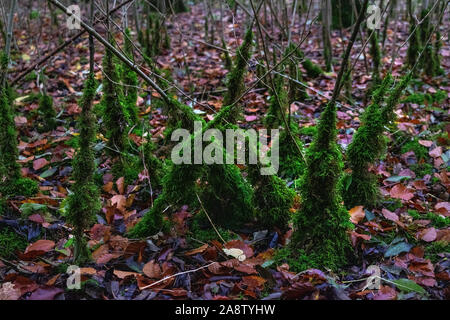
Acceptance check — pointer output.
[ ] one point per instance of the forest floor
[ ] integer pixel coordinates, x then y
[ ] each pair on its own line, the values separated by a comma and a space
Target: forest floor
407, 237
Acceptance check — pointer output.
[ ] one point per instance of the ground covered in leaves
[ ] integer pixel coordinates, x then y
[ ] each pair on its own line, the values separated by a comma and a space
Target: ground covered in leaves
407, 237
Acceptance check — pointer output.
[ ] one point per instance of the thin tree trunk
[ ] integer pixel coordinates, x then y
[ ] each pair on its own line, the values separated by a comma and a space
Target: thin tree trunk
326, 31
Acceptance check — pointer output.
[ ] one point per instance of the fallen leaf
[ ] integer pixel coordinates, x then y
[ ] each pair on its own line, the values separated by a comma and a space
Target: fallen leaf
41, 246
40, 163
357, 214
399, 191
152, 270
436, 152
427, 235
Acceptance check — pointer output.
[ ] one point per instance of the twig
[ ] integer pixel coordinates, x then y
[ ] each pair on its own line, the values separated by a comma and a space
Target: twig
175, 275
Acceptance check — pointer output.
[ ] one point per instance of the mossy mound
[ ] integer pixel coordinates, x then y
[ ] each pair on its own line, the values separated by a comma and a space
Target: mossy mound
20, 187
292, 164
273, 200
47, 112
312, 69
11, 243
322, 223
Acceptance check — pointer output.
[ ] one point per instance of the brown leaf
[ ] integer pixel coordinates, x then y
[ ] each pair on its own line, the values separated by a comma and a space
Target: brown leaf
253, 281
41, 246
399, 191
40, 163
121, 185
197, 250
357, 214
152, 270
124, 274
119, 201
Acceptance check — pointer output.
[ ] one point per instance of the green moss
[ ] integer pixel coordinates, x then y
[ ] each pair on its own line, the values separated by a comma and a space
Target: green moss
278, 103
272, 198
419, 150
312, 69
226, 57
235, 78
426, 98
292, 165
20, 187
9, 168
360, 187
130, 83
392, 204
308, 131
114, 117
11, 243
322, 223
436, 220
202, 230
298, 260
84, 203
227, 197
435, 248
47, 112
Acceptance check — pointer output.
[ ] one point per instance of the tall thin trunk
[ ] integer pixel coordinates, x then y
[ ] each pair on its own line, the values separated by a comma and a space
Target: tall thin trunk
326, 33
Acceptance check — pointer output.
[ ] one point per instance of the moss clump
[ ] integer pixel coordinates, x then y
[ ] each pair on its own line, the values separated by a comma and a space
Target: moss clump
47, 112
312, 69
278, 104
360, 187
419, 150
84, 203
130, 83
226, 196
375, 53
296, 91
202, 230
226, 57
438, 247
272, 198
113, 107
322, 223
292, 165
436, 220
11, 181
235, 78
20, 187
298, 260
11, 243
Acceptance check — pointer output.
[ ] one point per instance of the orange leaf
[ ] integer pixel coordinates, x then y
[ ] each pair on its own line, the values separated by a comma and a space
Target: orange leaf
357, 214
41, 245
